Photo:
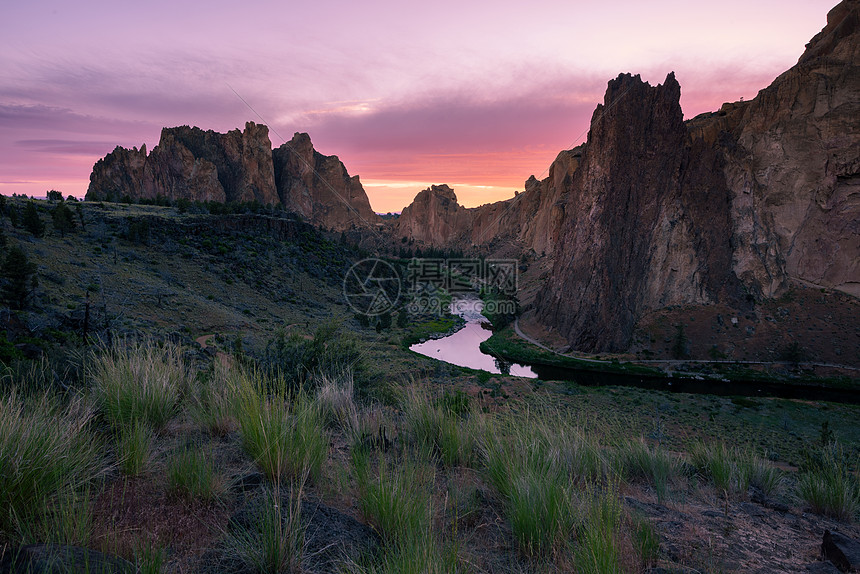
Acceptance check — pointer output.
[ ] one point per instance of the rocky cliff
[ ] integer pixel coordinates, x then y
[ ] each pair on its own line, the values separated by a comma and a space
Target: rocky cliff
729, 207
531, 220
193, 164
239, 166
319, 187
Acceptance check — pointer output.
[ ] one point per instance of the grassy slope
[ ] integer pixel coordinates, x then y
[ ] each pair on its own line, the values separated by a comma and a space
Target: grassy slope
253, 286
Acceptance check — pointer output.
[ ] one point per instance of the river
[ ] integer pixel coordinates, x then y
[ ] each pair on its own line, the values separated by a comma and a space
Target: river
462, 348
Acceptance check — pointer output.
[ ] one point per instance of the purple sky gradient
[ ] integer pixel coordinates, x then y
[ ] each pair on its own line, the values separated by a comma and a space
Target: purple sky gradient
479, 95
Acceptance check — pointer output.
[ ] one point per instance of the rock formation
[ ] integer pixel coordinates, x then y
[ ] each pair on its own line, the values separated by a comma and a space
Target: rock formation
192, 164
239, 166
728, 207
531, 220
319, 187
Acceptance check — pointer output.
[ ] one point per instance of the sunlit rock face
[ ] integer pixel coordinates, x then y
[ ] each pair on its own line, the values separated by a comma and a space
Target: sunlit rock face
529, 221
726, 207
319, 187
193, 164
239, 166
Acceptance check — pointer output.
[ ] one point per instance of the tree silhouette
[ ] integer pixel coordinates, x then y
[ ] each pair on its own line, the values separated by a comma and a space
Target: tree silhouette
32, 222
63, 218
17, 273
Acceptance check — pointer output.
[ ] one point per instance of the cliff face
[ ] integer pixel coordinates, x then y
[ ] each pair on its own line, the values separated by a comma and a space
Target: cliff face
193, 164
647, 214
727, 207
238, 166
319, 187
531, 220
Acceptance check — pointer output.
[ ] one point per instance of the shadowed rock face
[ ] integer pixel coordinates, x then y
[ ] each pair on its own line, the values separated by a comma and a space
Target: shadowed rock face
239, 166
319, 187
649, 214
730, 205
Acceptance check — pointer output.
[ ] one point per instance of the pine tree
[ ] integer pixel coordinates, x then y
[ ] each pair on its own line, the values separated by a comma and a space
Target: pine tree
17, 273
64, 219
32, 222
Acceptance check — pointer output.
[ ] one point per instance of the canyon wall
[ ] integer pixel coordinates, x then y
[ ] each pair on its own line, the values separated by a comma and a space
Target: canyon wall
730, 207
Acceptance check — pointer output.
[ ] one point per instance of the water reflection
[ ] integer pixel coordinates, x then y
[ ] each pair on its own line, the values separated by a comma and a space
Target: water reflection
463, 347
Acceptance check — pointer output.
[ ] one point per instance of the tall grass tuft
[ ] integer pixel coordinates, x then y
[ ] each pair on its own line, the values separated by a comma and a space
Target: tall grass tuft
396, 500
134, 447
532, 462
138, 381
274, 541
829, 487
210, 401
734, 470
422, 555
760, 473
46, 448
646, 542
636, 460
191, 473
444, 430
597, 549
284, 434
150, 558
335, 396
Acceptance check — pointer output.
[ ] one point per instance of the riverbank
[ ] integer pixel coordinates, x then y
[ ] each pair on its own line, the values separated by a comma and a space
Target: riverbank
719, 377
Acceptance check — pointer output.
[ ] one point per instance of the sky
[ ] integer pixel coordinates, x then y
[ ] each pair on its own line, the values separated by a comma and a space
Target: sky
478, 95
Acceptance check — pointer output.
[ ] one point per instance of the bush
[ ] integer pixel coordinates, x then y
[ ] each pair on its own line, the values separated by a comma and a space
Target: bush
330, 351
63, 219
19, 277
